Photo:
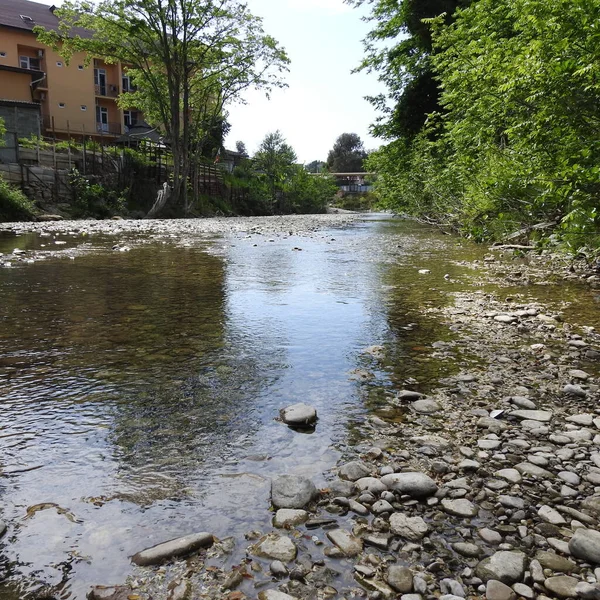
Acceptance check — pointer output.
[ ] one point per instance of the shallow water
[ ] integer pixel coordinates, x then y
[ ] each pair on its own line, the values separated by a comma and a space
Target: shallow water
139, 389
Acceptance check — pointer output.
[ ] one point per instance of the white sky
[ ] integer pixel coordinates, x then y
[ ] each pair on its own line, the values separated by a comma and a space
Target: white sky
324, 100
323, 39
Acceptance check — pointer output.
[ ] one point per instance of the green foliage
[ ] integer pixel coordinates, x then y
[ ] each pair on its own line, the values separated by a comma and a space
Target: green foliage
308, 193
348, 154
2, 131
93, 199
14, 205
515, 141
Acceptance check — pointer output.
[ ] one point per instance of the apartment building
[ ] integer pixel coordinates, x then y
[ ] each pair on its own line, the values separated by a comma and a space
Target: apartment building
74, 100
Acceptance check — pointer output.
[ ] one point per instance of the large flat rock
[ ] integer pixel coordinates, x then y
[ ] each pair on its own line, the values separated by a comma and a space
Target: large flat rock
292, 491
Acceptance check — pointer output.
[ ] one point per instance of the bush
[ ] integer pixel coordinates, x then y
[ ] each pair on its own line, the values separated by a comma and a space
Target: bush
93, 199
14, 205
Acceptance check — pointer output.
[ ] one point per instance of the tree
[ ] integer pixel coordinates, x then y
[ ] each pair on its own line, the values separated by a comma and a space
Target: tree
348, 154
189, 59
316, 166
241, 148
275, 160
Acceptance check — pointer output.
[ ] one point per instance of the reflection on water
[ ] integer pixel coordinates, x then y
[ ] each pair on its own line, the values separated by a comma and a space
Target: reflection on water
139, 389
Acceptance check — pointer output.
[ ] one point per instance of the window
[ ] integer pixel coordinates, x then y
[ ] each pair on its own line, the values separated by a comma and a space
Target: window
61, 105
26, 62
126, 84
83, 107
101, 118
80, 67
130, 117
2, 54
58, 63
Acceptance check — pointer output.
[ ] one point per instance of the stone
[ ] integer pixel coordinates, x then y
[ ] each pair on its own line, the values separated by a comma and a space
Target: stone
555, 562
511, 475
534, 471
585, 544
585, 419
574, 390
505, 566
382, 589
460, 508
490, 536
292, 491
355, 470
467, 549
550, 515
409, 395
400, 579
496, 590
277, 547
592, 505
426, 406
109, 592
507, 319
524, 590
415, 484
512, 502
562, 586
181, 546
275, 595
278, 569
371, 484
299, 415
3, 528
410, 528
569, 477
381, 506
288, 517
587, 591
346, 542
451, 586
543, 416
579, 374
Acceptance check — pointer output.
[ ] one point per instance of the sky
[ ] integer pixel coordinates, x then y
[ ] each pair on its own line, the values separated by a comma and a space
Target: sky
323, 39
324, 99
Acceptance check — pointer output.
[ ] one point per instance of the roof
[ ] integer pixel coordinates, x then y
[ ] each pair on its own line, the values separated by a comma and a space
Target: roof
22, 103
13, 11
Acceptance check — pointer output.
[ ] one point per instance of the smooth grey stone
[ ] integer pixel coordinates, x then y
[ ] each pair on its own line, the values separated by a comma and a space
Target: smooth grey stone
543, 416
562, 586
523, 402
587, 591
505, 566
409, 395
277, 547
490, 536
400, 578
426, 406
585, 419
278, 568
382, 506
511, 475
173, 549
585, 544
289, 517
555, 562
346, 542
530, 470
524, 590
467, 549
460, 508
410, 528
371, 484
341, 488
292, 491
496, 590
592, 504
352, 471
299, 415
275, 595
512, 502
415, 484
570, 477
451, 586
574, 390
550, 515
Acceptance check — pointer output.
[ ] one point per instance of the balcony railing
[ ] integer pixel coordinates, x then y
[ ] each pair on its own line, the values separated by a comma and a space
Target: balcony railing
108, 128
108, 90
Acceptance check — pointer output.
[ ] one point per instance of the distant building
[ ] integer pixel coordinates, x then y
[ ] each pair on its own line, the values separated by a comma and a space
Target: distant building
74, 100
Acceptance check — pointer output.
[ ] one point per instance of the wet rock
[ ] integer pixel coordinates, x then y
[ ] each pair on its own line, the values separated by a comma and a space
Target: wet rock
410, 528
562, 586
346, 542
299, 415
585, 544
275, 595
426, 406
277, 547
292, 491
400, 579
382, 589
113, 592
415, 484
409, 395
355, 470
460, 508
371, 484
288, 517
173, 549
278, 569
505, 566
179, 590
496, 590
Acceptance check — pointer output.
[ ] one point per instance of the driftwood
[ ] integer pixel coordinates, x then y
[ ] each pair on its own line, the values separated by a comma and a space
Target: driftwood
161, 199
512, 247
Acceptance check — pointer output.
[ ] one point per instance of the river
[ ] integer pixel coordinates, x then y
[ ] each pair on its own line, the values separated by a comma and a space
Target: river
140, 383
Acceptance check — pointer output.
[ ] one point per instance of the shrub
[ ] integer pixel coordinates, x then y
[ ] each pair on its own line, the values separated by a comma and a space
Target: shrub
14, 205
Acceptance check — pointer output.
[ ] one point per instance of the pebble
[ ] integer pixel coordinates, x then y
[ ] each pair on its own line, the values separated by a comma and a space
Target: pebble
550, 515
400, 578
410, 528
496, 590
355, 470
460, 508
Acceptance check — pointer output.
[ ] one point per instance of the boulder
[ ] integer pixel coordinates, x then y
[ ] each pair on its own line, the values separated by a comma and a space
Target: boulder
292, 491
299, 415
585, 544
410, 528
415, 484
505, 566
276, 547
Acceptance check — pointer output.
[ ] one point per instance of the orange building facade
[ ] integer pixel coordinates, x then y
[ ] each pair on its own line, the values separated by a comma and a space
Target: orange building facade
75, 100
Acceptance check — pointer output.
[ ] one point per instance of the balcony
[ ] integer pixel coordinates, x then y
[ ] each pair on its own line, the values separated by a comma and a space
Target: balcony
107, 91
108, 128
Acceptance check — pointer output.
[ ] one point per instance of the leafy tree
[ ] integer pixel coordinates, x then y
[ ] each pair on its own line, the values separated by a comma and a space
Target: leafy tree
309, 193
316, 166
241, 148
189, 59
348, 154
275, 160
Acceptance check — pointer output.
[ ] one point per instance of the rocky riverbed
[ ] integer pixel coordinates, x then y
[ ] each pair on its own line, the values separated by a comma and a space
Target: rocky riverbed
487, 486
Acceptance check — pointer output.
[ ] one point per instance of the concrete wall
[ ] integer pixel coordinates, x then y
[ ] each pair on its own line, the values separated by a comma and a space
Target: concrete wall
20, 121
39, 183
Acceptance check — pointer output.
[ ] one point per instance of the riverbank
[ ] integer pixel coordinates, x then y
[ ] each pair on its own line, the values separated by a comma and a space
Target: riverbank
446, 474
